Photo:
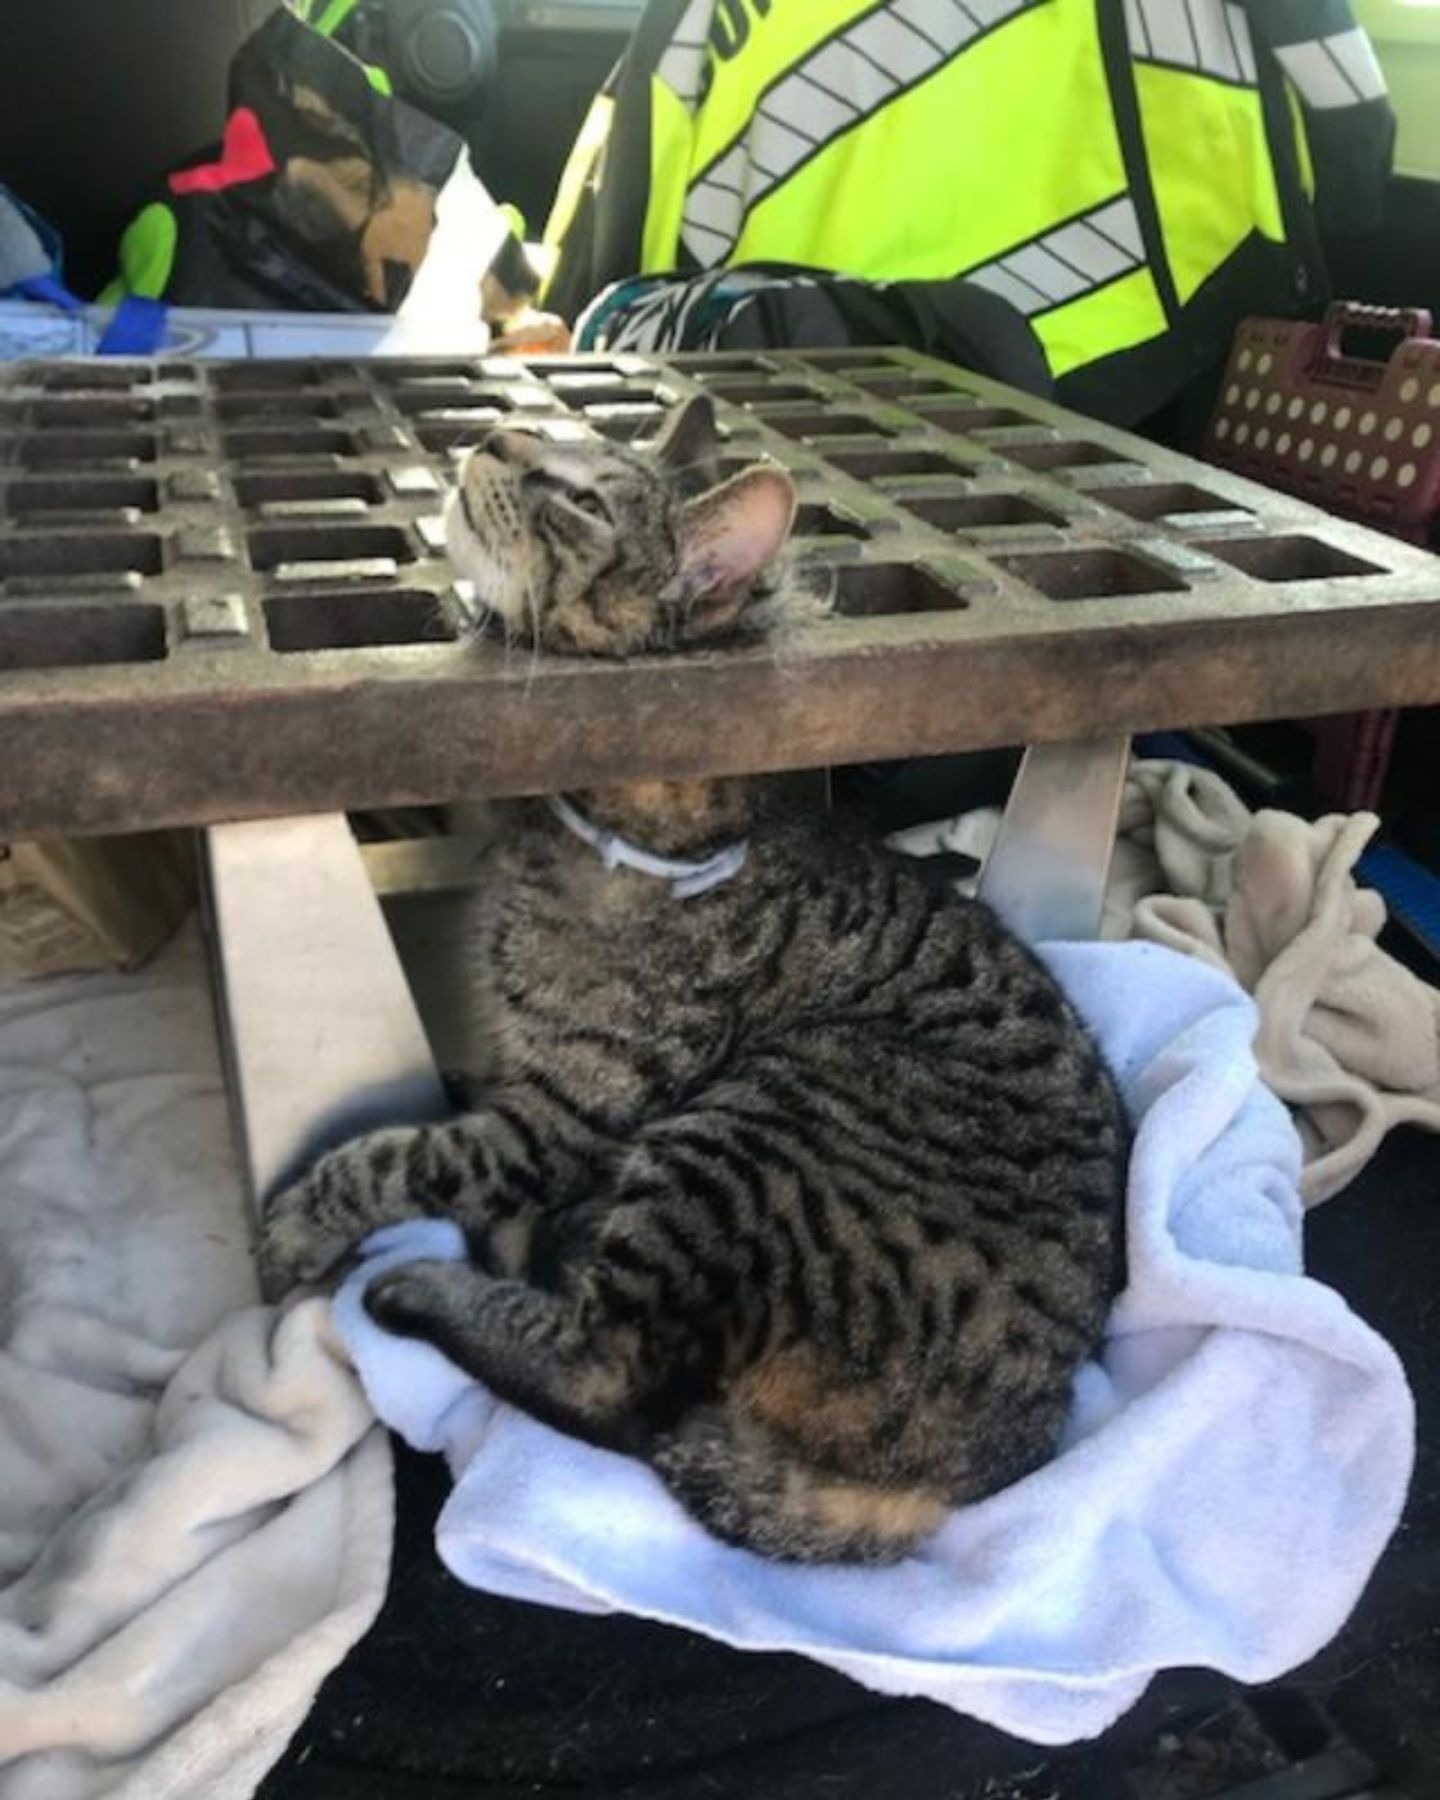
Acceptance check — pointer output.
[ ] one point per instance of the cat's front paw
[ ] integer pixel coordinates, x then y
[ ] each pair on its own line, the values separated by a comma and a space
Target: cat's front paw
310, 1228
423, 1299
298, 1241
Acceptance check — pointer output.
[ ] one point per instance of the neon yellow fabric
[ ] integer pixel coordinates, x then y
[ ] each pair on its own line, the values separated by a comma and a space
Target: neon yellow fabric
842, 210
1116, 317
1210, 170
774, 43
672, 141
845, 209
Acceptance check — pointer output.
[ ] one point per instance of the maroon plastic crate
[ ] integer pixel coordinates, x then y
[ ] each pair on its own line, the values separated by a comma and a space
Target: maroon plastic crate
1353, 434
1358, 435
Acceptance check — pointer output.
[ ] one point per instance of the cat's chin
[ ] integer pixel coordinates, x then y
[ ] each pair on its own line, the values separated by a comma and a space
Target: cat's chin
494, 613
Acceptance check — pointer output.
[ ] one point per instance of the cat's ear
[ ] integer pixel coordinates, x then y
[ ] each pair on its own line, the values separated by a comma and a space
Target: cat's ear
689, 440
726, 538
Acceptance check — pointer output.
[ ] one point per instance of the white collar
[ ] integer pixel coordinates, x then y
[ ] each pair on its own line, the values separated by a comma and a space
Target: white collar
687, 879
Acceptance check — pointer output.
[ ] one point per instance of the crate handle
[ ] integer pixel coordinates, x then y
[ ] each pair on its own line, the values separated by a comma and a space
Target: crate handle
1404, 321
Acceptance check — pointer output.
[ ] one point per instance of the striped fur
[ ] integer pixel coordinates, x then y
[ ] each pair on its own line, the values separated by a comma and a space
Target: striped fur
807, 1189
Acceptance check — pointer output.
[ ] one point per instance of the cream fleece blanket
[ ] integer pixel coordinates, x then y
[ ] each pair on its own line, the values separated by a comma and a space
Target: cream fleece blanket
195, 1503
1347, 1036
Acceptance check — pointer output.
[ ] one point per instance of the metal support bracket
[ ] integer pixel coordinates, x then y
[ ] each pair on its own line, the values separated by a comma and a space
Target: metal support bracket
1046, 873
319, 1030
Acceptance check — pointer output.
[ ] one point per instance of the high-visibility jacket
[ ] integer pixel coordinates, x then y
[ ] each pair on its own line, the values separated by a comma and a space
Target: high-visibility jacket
1133, 175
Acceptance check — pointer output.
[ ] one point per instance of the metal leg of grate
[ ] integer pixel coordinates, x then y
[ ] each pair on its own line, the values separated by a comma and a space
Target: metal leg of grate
1046, 874
321, 1036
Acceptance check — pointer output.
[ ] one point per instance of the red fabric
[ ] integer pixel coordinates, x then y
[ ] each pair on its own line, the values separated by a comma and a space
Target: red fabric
244, 156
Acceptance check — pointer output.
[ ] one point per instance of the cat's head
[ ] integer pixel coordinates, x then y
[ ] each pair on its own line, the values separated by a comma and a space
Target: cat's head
599, 550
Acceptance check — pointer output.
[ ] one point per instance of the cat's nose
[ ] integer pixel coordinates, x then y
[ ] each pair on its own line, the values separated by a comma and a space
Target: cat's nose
521, 448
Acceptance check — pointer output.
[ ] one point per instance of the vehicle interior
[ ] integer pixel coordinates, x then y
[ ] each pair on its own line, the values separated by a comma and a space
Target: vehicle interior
454, 1692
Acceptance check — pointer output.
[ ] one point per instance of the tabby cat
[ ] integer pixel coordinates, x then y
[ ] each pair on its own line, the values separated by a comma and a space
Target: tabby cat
792, 1172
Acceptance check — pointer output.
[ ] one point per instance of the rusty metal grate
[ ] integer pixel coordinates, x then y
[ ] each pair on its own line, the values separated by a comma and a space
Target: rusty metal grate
223, 592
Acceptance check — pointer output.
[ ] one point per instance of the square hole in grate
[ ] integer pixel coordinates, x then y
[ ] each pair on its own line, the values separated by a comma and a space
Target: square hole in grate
1287, 558
701, 366
276, 404
902, 385
983, 512
581, 374
823, 424
858, 358
263, 489
84, 412
417, 392
864, 590
761, 393
883, 465
596, 399
275, 373
81, 553
272, 545
1068, 454
260, 441
1090, 574
454, 401
67, 637
863, 374
407, 373
440, 435
827, 521
81, 493
90, 377
357, 621
81, 449
973, 418
1163, 500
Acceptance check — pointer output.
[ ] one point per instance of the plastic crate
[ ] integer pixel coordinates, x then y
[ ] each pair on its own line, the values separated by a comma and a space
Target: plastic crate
1357, 435
1353, 434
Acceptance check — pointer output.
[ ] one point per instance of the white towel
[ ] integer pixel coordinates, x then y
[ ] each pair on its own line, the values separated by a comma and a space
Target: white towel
1234, 1465
195, 1508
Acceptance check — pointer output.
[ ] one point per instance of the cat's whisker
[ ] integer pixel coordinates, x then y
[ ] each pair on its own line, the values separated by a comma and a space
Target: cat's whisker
532, 605
486, 615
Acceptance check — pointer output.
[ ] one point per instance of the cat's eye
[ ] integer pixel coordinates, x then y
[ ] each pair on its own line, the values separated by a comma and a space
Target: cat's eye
587, 501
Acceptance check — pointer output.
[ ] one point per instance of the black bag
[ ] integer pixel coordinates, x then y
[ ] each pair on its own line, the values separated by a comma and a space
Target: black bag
771, 306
